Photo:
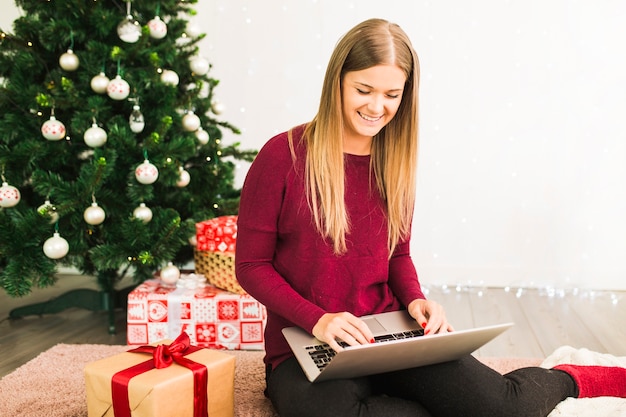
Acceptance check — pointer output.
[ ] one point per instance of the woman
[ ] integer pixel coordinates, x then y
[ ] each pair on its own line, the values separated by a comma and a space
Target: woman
323, 238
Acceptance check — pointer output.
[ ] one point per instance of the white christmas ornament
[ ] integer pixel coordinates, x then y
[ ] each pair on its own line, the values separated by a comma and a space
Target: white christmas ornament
157, 27
191, 122
202, 136
56, 247
146, 173
47, 209
193, 31
53, 129
118, 88
69, 61
205, 91
170, 274
85, 155
199, 65
183, 178
143, 213
129, 30
169, 77
136, 120
99, 83
9, 195
95, 136
94, 215
217, 107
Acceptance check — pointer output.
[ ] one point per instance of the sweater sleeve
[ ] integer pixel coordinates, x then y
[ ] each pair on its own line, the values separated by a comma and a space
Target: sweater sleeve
403, 279
257, 232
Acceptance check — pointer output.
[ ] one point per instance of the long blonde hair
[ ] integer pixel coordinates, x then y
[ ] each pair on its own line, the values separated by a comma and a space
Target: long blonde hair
394, 149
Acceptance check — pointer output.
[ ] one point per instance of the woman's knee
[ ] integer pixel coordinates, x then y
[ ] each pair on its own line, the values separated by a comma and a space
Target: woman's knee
293, 395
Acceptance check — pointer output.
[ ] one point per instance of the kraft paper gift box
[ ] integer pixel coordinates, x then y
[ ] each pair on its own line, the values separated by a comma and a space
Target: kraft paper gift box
212, 317
214, 254
165, 392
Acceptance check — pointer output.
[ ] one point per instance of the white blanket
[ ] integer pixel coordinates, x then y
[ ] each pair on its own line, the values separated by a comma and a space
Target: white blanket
586, 407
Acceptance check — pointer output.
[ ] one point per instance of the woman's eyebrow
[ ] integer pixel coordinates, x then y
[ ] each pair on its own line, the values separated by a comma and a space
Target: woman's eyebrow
369, 86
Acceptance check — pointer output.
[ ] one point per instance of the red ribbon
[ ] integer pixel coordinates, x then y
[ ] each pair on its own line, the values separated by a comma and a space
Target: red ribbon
162, 357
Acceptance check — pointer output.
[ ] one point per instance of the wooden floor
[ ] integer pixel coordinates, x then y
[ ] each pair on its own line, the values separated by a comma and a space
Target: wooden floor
543, 322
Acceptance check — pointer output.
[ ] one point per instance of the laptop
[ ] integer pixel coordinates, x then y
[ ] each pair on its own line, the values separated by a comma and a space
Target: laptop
400, 344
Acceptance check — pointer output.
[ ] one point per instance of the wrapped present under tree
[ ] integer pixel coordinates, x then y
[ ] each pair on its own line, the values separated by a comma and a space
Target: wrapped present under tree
214, 254
212, 317
166, 379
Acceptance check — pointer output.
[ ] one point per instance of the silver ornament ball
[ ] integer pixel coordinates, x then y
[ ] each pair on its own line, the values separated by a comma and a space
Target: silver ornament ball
56, 247
202, 136
95, 136
170, 274
143, 213
94, 215
99, 83
183, 178
69, 61
169, 77
217, 107
47, 209
191, 122
199, 65
193, 30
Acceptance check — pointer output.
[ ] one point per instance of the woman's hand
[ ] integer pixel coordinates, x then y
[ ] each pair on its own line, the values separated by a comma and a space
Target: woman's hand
344, 326
430, 315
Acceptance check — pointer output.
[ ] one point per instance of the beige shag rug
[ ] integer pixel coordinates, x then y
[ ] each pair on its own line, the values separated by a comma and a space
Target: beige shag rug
52, 384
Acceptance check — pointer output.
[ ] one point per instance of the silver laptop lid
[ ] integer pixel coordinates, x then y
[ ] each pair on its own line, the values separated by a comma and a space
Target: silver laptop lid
392, 355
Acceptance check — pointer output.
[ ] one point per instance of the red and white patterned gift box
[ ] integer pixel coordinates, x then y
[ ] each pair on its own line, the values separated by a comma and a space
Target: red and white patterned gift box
212, 317
214, 254
217, 235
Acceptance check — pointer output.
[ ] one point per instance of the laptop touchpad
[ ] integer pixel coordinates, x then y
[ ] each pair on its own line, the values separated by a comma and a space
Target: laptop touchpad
374, 325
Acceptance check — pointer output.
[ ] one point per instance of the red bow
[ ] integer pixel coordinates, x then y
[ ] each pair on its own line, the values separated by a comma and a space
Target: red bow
162, 357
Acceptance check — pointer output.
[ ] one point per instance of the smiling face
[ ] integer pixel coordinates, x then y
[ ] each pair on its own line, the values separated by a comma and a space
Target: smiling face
370, 99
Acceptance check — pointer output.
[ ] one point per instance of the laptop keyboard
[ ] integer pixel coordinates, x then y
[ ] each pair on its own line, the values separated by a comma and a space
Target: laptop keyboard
322, 354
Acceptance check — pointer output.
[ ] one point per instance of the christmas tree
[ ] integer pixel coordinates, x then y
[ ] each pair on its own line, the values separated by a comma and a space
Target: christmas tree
110, 141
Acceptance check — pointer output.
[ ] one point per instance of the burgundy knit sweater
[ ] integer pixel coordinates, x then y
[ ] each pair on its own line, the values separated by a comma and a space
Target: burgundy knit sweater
283, 262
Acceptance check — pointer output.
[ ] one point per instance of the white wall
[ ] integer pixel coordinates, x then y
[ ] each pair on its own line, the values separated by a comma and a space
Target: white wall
523, 140
523, 133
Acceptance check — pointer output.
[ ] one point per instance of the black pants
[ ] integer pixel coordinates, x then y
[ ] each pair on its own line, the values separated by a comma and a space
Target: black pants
460, 388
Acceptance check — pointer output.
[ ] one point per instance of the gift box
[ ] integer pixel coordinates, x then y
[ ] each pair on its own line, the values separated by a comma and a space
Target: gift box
214, 254
219, 268
217, 235
212, 317
171, 379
